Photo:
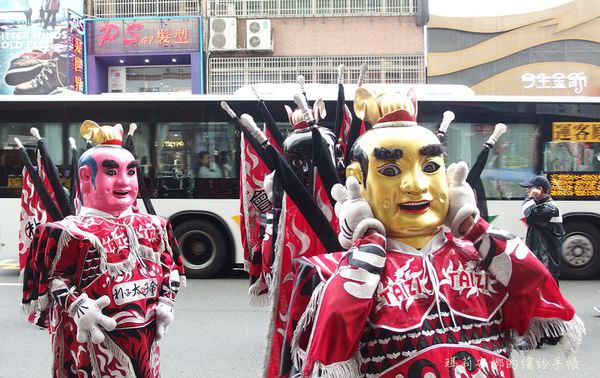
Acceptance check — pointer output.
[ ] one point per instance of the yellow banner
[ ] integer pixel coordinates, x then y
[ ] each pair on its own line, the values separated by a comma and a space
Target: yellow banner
576, 132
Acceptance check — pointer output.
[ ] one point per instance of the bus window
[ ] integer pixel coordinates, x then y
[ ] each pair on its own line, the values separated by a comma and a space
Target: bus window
197, 160
10, 163
52, 133
511, 161
571, 157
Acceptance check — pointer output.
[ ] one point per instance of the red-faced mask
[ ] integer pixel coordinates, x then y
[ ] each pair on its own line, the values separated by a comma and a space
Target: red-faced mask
108, 179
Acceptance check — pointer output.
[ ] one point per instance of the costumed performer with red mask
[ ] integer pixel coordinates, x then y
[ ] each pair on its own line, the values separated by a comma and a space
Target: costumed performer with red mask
108, 275
426, 288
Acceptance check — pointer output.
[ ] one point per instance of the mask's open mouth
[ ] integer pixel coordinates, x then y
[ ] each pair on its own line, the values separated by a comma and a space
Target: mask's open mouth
417, 207
120, 193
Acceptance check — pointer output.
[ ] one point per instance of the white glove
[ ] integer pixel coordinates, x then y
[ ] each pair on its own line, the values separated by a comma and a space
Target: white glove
462, 198
87, 314
354, 213
164, 317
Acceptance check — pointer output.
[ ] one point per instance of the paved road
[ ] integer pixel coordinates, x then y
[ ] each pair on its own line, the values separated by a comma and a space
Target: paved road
217, 334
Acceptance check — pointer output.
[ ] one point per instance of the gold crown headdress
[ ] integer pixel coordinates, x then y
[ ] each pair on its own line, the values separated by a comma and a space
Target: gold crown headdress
386, 109
102, 135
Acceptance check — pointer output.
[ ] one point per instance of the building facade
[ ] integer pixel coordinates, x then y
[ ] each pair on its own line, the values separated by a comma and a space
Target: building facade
256, 41
551, 49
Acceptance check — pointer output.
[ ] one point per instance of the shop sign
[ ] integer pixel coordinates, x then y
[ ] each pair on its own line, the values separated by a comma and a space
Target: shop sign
576, 81
75, 66
572, 186
131, 35
576, 132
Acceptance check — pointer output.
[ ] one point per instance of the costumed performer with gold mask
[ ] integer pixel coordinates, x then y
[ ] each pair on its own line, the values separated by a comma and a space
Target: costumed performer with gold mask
426, 286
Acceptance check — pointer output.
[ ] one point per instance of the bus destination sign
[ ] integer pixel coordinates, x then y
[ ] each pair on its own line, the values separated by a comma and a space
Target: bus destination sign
576, 132
567, 186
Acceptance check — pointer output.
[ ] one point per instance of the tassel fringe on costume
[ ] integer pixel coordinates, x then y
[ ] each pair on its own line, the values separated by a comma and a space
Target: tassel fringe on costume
258, 295
572, 332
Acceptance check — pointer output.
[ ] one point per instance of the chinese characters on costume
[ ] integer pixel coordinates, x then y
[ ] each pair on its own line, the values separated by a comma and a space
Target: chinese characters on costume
425, 287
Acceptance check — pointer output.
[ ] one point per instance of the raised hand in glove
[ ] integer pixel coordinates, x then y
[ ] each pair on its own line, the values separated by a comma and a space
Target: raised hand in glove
354, 213
463, 206
87, 314
164, 317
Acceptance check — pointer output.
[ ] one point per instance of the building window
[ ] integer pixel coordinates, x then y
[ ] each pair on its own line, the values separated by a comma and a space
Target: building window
139, 8
226, 75
315, 8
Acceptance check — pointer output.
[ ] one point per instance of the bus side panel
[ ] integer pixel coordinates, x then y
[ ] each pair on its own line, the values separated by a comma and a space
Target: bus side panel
227, 209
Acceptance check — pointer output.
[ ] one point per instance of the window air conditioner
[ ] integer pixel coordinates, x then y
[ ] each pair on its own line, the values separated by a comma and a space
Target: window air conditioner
258, 35
223, 34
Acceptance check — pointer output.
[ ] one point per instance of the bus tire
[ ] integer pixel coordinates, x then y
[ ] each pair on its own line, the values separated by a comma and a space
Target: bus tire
203, 248
580, 251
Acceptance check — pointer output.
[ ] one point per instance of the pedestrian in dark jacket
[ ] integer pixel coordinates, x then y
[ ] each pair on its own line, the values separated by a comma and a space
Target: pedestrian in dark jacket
545, 232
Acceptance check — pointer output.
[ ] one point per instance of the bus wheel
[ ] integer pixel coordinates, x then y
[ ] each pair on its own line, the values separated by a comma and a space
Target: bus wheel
203, 248
580, 251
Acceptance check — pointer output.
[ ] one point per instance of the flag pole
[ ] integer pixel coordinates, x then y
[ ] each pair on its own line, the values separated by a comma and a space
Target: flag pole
130, 146
74, 189
38, 185
294, 188
52, 172
269, 120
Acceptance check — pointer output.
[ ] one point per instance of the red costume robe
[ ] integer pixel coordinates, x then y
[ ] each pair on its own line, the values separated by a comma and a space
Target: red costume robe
454, 307
133, 259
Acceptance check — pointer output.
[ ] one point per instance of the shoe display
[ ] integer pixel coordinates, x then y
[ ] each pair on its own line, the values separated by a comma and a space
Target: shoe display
27, 66
23, 69
46, 81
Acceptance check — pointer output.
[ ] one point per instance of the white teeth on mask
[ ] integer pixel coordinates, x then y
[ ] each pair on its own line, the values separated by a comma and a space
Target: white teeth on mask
415, 204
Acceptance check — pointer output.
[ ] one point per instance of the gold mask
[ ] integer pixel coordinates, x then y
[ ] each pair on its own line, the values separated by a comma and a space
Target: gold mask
406, 184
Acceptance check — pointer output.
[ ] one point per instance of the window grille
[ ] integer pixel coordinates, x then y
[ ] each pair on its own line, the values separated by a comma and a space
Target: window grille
309, 8
140, 8
226, 75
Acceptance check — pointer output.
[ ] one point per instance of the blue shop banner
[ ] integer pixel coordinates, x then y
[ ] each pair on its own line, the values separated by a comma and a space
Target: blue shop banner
33, 45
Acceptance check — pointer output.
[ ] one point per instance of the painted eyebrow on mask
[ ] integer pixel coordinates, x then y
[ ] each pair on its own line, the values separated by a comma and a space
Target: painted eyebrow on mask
382, 153
431, 150
133, 164
109, 164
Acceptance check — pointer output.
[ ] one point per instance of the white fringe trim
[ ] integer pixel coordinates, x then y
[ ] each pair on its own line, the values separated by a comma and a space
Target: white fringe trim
182, 281
274, 288
63, 240
344, 369
258, 295
306, 319
40, 304
572, 332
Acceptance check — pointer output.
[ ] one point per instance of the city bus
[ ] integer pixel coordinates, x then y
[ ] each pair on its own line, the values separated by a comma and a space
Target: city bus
188, 150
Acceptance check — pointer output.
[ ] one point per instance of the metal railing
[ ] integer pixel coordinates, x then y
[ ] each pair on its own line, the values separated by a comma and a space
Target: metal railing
140, 8
226, 75
309, 8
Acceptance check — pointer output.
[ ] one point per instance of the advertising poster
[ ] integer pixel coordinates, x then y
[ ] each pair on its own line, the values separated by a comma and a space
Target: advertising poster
33, 45
75, 40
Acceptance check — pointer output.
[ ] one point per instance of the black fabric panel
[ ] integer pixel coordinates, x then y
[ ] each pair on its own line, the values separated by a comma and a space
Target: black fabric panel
303, 200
